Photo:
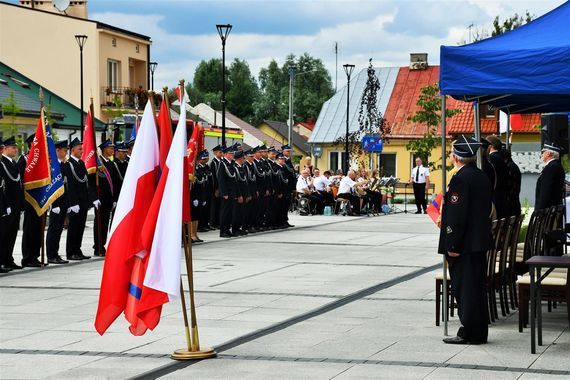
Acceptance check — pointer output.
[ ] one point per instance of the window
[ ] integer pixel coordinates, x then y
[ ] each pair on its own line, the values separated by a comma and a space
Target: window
114, 42
388, 164
112, 75
137, 48
336, 160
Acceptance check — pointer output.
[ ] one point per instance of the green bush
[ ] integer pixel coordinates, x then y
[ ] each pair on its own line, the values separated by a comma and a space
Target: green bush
522, 233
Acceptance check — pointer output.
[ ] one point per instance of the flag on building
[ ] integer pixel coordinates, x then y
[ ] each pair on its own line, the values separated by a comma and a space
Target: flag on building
121, 285
162, 231
41, 198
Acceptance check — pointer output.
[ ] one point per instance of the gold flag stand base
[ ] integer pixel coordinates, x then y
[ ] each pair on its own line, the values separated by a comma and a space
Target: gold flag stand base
184, 354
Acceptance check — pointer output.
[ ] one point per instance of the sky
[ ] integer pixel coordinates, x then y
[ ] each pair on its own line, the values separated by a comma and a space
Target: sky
184, 32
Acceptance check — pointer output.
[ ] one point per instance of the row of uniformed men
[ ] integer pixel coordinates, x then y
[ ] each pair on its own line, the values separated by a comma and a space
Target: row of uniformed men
242, 192
81, 194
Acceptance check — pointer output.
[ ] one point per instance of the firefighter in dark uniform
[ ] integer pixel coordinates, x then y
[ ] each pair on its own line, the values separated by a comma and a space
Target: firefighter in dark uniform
241, 195
502, 176
227, 187
465, 238
120, 165
550, 183
277, 193
58, 210
292, 180
283, 178
252, 201
198, 195
105, 198
79, 200
208, 191
215, 203
130, 144
263, 188
31, 231
13, 189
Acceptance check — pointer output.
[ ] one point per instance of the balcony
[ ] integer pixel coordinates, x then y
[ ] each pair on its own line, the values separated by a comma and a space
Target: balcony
126, 98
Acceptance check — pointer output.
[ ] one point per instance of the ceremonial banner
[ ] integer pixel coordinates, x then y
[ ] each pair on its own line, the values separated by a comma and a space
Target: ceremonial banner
434, 208
37, 173
121, 285
42, 197
89, 155
161, 233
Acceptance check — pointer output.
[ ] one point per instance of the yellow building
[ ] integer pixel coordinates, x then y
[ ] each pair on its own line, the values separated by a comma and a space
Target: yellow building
40, 43
278, 133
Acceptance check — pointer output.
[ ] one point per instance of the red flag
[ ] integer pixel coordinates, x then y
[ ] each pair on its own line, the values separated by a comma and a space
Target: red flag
89, 156
38, 172
434, 208
165, 132
121, 284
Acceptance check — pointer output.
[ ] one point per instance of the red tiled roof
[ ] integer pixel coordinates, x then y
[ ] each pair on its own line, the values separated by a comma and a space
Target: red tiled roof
464, 122
309, 126
525, 123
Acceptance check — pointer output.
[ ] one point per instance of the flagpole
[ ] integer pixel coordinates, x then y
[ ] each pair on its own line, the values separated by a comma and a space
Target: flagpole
43, 217
97, 189
194, 353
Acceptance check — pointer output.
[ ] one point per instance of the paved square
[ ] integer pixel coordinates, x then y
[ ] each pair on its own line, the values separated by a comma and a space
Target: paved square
334, 297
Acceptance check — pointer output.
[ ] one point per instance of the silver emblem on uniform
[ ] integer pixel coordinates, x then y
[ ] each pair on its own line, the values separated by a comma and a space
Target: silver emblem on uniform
449, 230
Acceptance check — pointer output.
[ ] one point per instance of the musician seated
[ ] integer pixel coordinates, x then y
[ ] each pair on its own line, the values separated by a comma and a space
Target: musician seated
323, 186
306, 190
347, 190
375, 191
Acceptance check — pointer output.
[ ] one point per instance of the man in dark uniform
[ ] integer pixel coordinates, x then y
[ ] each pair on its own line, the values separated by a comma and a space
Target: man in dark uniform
263, 186
550, 183
31, 231
251, 202
79, 200
227, 183
104, 195
241, 195
486, 166
292, 181
272, 213
502, 175
130, 144
207, 191
282, 205
215, 204
2, 203
14, 203
120, 165
58, 211
465, 237
513, 183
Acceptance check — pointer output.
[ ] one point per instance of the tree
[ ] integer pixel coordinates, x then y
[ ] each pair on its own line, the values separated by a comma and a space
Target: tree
10, 109
268, 104
511, 23
429, 114
370, 119
243, 90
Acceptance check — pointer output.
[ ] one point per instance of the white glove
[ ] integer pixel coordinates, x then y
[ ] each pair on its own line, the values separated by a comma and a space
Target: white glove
8, 211
97, 203
195, 202
74, 209
114, 205
204, 203
56, 210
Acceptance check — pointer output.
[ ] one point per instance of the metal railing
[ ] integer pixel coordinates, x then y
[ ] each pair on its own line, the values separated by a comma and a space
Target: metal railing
126, 97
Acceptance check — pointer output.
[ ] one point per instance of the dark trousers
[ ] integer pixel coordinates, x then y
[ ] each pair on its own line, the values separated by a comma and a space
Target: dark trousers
75, 229
468, 277
215, 212
105, 215
9, 226
316, 203
55, 228
226, 209
237, 216
420, 196
203, 221
260, 212
31, 235
375, 199
354, 201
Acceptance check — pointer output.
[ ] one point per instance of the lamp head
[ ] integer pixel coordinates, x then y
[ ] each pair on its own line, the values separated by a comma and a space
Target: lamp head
348, 68
81, 39
224, 31
152, 66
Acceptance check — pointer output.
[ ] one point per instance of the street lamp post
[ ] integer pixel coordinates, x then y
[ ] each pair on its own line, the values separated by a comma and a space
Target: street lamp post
348, 70
224, 31
81, 39
152, 67
291, 79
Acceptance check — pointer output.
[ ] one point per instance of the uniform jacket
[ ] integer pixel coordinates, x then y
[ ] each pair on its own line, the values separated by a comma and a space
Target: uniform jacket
465, 220
251, 179
106, 187
78, 185
291, 175
214, 168
119, 170
13, 185
502, 176
550, 186
227, 180
62, 201
242, 185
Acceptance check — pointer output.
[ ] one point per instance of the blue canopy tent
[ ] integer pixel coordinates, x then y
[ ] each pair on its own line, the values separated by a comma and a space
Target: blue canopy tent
526, 70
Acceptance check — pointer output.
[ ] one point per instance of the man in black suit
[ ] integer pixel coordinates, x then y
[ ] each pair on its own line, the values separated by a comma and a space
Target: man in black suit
79, 201
282, 202
14, 203
215, 203
252, 201
291, 180
207, 191
502, 176
465, 237
58, 211
513, 183
264, 187
227, 183
120, 165
550, 184
31, 231
107, 176
242, 194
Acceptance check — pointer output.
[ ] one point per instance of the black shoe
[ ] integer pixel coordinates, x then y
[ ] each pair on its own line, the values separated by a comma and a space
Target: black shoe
32, 264
75, 257
455, 340
417, 212
425, 211
252, 230
96, 254
289, 225
12, 266
3, 270
83, 257
226, 235
57, 260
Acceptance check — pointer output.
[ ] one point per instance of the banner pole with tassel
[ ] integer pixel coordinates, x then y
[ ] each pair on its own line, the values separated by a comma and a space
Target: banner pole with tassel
43, 217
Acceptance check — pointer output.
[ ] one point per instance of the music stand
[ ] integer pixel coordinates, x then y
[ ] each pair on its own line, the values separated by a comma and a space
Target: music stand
392, 181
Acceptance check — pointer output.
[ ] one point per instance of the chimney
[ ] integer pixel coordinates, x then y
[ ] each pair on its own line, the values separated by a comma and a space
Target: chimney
418, 61
76, 8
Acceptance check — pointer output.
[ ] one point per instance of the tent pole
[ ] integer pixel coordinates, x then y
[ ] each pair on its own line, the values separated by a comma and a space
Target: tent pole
508, 142
443, 188
477, 117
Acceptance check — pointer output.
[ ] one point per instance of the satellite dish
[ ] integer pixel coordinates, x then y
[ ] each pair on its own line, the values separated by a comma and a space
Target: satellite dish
61, 5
